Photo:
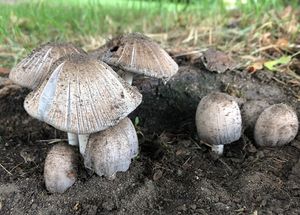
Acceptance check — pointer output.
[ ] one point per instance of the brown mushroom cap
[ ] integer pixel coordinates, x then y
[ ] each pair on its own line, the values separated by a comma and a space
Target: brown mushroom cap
110, 151
276, 126
60, 170
218, 119
82, 95
33, 69
139, 54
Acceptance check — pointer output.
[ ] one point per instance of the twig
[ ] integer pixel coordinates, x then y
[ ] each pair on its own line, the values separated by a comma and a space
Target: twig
51, 141
225, 164
5, 169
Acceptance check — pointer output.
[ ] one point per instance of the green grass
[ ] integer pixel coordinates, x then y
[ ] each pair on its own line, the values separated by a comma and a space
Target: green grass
26, 25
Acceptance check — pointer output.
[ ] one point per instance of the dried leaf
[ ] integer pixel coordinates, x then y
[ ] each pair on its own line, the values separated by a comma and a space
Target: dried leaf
217, 61
282, 43
4, 71
258, 65
272, 65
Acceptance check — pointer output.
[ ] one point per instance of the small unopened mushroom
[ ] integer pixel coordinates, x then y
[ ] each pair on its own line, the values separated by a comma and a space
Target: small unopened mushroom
60, 170
136, 53
218, 120
111, 150
82, 96
250, 112
276, 126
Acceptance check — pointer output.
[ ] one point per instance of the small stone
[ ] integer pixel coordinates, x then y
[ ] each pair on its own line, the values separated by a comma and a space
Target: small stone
179, 172
34, 206
182, 208
193, 206
260, 154
222, 206
108, 205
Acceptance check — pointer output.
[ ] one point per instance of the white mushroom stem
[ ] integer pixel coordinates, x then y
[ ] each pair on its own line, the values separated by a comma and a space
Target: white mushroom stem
83, 140
73, 139
112, 177
128, 77
218, 149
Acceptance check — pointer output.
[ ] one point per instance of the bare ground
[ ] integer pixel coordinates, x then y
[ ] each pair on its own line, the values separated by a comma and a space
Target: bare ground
174, 173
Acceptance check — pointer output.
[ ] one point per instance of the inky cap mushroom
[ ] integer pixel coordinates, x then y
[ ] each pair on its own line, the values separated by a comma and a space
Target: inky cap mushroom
82, 95
136, 53
276, 126
60, 170
250, 112
111, 151
33, 69
218, 120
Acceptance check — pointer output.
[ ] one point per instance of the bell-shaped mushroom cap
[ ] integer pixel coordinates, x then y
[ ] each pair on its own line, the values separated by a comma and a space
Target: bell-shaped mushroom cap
60, 170
139, 54
276, 126
83, 96
111, 150
33, 69
218, 119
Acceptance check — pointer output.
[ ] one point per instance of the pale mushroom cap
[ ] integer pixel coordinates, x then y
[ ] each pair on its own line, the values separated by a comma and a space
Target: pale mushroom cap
82, 96
60, 170
218, 119
251, 111
276, 126
139, 54
33, 69
111, 151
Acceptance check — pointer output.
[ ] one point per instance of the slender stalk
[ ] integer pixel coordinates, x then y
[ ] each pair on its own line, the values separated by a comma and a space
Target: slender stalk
72, 139
128, 77
83, 140
218, 149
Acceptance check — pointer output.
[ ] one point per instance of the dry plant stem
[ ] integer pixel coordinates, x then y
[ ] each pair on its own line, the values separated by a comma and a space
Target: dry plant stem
83, 140
72, 139
218, 149
128, 77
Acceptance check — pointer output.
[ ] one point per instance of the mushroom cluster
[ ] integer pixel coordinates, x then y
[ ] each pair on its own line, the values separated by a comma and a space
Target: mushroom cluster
83, 96
219, 121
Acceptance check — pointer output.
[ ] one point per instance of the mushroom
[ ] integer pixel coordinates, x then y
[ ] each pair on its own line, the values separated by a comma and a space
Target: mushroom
111, 150
250, 112
82, 96
276, 126
136, 53
34, 69
218, 120
60, 170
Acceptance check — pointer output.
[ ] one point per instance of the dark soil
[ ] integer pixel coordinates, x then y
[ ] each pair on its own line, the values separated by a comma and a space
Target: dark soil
174, 173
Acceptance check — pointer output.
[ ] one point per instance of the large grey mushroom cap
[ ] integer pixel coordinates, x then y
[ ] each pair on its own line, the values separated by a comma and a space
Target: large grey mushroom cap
83, 96
139, 54
218, 119
111, 151
33, 69
60, 170
276, 126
